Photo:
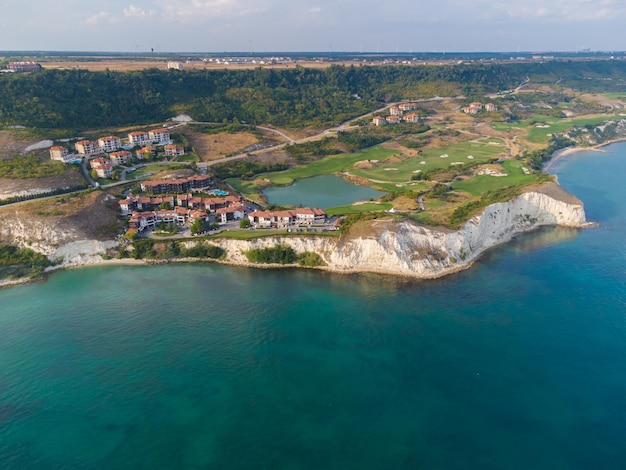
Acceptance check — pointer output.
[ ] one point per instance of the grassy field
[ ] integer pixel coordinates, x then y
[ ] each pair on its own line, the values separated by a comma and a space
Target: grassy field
433, 159
261, 233
619, 95
481, 184
247, 188
356, 209
328, 165
402, 187
155, 168
542, 135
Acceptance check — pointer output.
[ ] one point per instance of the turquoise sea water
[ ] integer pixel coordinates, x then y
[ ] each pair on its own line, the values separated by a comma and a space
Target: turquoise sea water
320, 191
518, 363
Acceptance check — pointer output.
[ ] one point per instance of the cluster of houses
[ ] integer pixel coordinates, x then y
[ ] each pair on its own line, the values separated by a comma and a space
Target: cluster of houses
288, 218
147, 212
396, 115
116, 152
22, 67
476, 106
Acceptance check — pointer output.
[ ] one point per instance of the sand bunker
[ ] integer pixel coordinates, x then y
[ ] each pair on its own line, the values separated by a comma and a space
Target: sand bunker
490, 172
470, 157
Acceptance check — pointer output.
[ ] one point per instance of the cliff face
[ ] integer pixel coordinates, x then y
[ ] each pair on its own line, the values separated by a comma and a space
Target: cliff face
408, 249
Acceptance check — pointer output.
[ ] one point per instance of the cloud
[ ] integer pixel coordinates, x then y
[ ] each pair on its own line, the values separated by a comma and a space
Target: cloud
555, 10
99, 18
134, 12
315, 10
128, 13
200, 10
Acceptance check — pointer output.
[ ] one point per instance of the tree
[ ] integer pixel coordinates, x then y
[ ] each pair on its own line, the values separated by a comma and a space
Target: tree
197, 226
245, 223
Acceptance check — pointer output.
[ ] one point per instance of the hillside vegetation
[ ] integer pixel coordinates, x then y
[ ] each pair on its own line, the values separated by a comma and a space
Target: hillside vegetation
287, 97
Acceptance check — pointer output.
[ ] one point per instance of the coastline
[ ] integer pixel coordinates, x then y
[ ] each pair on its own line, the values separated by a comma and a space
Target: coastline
564, 152
395, 262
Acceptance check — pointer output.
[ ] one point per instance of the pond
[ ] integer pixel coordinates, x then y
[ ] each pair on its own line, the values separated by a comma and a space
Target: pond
320, 191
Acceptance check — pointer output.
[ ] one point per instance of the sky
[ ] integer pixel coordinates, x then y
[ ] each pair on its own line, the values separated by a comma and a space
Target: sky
312, 25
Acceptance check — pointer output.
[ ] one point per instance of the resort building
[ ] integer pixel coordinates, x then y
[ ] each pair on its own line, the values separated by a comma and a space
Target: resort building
379, 121
147, 151
179, 215
175, 65
86, 147
395, 111
98, 162
109, 143
23, 66
407, 106
159, 136
173, 150
181, 185
120, 157
284, 219
491, 108
139, 138
393, 119
228, 214
104, 171
411, 118
59, 153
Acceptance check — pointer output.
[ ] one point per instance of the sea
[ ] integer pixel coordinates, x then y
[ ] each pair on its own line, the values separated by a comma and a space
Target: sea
516, 363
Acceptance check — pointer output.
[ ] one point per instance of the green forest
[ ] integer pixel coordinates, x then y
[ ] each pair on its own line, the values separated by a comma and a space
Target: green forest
78, 99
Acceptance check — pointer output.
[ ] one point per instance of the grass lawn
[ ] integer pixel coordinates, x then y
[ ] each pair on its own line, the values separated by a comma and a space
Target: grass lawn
402, 171
358, 208
618, 95
328, 165
247, 188
154, 168
403, 187
538, 135
262, 233
479, 185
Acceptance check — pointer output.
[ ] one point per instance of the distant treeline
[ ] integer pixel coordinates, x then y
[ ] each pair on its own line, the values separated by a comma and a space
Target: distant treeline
284, 97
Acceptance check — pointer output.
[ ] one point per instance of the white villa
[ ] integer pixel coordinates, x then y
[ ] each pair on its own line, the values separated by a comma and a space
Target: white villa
109, 143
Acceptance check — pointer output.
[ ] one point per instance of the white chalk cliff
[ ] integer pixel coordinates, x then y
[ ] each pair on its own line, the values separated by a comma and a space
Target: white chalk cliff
405, 248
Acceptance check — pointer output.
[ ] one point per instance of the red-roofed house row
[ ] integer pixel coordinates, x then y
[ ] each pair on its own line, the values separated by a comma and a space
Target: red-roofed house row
283, 219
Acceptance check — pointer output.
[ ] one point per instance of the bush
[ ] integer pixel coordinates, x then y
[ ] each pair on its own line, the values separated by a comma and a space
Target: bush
310, 259
280, 254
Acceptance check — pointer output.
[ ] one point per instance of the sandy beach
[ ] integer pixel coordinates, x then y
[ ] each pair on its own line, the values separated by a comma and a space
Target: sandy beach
562, 153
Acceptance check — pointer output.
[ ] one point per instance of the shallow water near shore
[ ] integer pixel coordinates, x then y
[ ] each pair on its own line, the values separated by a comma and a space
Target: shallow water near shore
515, 363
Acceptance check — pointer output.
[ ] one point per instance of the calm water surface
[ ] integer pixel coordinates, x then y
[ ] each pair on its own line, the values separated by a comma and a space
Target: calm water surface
517, 363
320, 191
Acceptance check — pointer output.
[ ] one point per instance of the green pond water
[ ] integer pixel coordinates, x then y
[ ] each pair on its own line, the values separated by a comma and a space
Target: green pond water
320, 191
